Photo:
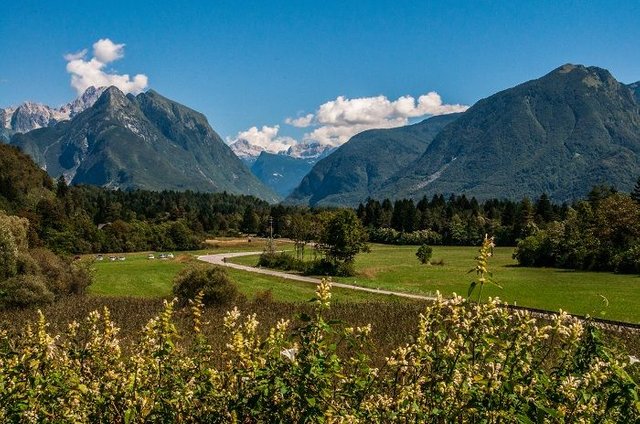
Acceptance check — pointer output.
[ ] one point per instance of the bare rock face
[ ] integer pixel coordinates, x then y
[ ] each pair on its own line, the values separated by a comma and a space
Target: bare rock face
31, 115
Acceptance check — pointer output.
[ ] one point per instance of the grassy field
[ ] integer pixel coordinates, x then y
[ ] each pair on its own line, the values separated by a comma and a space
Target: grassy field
396, 268
141, 277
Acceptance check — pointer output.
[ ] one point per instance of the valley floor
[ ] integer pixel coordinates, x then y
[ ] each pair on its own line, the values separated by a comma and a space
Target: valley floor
395, 268
602, 294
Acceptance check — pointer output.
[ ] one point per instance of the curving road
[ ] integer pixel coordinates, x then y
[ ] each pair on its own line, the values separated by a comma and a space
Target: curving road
221, 259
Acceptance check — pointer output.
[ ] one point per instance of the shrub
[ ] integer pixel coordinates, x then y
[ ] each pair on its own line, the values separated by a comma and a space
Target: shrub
8, 252
25, 290
469, 362
535, 250
283, 261
629, 261
212, 281
34, 275
322, 266
424, 253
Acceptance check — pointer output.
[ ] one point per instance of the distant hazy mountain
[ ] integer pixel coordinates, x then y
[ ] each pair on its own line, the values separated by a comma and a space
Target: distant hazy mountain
246, 151
561, 134
145, 141
30, 115
352, 172
281, 172
249, 152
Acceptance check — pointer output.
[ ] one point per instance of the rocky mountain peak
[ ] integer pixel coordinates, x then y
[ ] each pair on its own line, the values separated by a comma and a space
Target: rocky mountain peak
32, 115
112, 97
83, 102
147, 142
590, 76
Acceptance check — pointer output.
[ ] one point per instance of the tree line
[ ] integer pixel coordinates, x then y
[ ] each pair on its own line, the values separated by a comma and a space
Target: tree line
600, 233
456, 220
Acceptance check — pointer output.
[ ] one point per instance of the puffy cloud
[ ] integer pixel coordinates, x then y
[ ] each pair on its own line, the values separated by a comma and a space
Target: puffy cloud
301, 122
335, 136
338, 120
263, 139
75, 56
107, 51
94, 72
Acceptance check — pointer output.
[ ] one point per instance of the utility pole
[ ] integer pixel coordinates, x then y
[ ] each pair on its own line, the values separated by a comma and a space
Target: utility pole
270, 247
271, 227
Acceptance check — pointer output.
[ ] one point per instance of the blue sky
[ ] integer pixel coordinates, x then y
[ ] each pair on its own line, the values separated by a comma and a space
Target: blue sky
247, 64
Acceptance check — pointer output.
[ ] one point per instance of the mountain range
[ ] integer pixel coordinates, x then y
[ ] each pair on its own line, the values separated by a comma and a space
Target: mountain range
145, 141
561, 134
353, 172
30, 115
283, 171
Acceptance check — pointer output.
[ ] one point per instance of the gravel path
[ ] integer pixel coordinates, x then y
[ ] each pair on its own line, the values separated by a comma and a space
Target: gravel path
220, 259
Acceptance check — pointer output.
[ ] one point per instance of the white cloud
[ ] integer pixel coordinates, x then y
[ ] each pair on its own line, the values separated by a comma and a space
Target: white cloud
264, 139
94, 72
301, 122
107, 51
75, 56
338, 120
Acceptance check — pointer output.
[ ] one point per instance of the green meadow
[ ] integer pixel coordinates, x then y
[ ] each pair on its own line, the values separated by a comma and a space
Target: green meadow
602, 294
139, 276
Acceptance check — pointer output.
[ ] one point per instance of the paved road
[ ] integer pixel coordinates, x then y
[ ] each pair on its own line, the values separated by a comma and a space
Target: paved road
220, 259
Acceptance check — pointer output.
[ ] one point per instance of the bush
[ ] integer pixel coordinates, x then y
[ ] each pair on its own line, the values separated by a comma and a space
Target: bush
34, 275
8, 251
283, 261
536, 250
25, 290
212, 281
424, 253
629, 261
323, 266
469, 362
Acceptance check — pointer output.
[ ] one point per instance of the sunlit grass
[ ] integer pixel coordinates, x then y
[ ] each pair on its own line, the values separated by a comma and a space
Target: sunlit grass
142, 277
579, 292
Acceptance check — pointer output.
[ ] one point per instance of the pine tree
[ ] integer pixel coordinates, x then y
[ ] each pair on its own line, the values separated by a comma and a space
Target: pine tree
61, 187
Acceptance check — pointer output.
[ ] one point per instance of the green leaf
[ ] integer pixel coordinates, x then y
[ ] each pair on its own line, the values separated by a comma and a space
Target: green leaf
128, 416
523, 419
472, 287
